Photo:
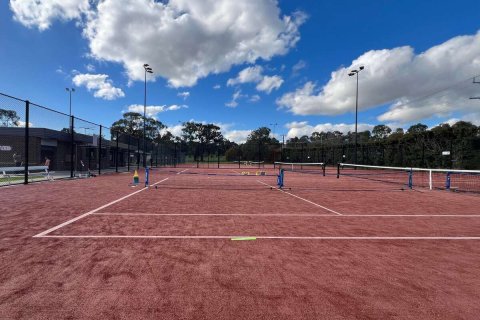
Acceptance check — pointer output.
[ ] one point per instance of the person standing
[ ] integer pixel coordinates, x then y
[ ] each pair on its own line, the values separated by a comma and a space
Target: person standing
17, 159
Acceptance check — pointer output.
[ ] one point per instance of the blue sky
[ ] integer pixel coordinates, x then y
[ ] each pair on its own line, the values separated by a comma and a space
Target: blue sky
247, 64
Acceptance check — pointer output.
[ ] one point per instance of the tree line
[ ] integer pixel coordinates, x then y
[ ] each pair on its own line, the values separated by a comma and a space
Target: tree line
442, 146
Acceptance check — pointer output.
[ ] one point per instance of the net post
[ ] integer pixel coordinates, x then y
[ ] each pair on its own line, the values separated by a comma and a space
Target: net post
323, 169
447, 182
72, 144
27, 136
410, 178
198, 163
430, 181
338, 170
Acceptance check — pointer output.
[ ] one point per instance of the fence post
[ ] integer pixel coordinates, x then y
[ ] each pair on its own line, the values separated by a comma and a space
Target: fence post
72, 145
27, 135
128, 154
218, 157
100, 152
175, 155
138, 153
116, 155
259, 153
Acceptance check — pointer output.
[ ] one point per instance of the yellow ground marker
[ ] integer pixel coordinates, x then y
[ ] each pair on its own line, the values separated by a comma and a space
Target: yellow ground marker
243, 239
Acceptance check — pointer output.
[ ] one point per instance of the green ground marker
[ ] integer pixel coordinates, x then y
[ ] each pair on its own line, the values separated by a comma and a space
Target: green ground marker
243, 239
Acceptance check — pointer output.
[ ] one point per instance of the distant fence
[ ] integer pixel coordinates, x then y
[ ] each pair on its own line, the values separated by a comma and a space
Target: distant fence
32, 135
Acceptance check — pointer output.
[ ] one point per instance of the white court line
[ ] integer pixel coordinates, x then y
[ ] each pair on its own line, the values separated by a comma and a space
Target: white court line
287, 215
42, 234
182, 171
260, 237
293, 195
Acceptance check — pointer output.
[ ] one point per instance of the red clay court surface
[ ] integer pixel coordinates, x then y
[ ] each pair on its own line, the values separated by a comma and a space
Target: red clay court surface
325, 249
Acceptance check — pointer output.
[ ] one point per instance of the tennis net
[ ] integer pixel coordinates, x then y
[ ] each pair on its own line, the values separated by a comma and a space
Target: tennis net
442, 179
246, 164
301, 167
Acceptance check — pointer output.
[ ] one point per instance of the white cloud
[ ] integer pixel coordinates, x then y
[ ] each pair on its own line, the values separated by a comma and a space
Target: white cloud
254, 75
59, 70
250, 74
238, 136
401, 78
234, 103
100, 84
176, 130
23, 124
269, 83
90, 67
184, 95
298, 129
184, 41
217, 86
254, 98
298, 66
41, 13
153, 111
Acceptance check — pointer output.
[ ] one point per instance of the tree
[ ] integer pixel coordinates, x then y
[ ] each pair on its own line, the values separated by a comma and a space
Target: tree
132, 124
381, 131
9, 118
197, 134
417, 128
260, 135
463, 129
396, 135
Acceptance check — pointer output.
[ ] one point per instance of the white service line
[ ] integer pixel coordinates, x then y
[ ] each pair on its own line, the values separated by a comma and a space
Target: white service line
293, 195
42, 234
290, 215
214, 214
260, 237
182, 171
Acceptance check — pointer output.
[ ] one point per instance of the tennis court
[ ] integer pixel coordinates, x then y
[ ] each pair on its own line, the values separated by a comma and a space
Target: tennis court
208, 243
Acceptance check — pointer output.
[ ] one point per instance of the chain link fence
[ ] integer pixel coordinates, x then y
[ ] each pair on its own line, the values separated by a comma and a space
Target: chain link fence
38, 144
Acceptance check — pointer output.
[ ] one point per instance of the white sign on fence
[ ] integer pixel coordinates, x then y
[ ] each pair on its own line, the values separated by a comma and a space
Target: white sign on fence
5, 148
445, 153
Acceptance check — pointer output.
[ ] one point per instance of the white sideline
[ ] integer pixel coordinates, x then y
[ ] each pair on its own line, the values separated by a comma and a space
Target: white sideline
293, 195
260, 237
42, 234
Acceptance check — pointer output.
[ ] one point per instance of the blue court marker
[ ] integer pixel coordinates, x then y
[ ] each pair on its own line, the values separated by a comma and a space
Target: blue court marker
147, 176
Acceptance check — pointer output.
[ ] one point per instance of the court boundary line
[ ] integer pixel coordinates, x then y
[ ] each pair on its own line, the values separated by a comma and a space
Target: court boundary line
265, 237
44, 233
287, 215
303, 199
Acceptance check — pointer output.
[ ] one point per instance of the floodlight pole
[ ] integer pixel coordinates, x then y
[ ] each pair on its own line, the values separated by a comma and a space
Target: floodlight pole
352, 73
274, 127
147, 68
70, 90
